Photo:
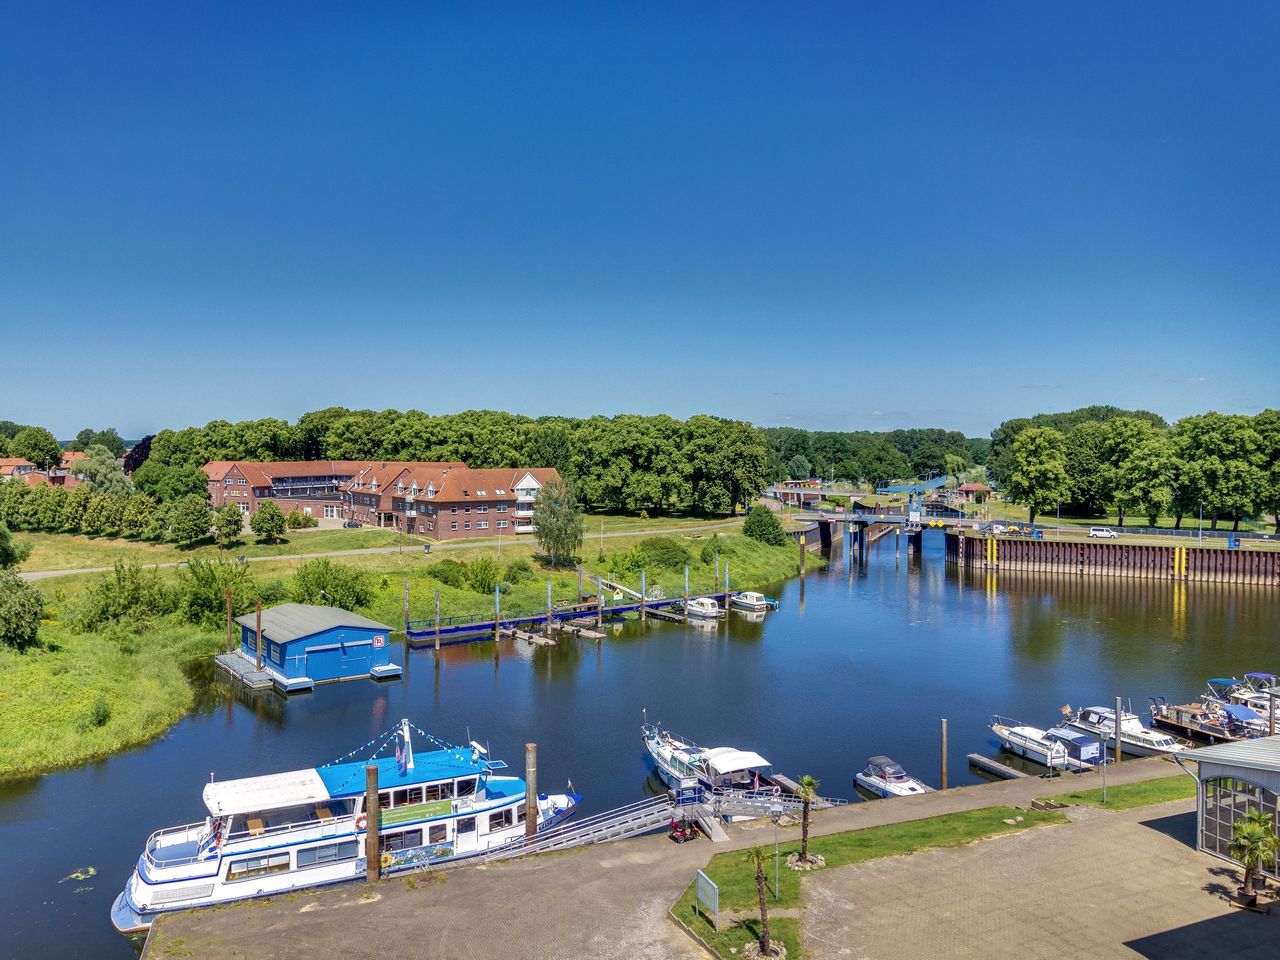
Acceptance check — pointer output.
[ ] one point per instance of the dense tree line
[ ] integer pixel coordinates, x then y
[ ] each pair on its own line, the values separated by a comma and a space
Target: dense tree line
1226, 465
79, 509
864, 456
627, 462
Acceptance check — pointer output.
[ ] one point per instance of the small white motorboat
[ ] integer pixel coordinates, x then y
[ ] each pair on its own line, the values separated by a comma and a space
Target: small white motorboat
886, 778
1060, 748
704, 608
1136, 739
753, 602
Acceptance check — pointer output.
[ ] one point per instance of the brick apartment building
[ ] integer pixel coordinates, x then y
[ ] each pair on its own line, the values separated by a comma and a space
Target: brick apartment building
443, 501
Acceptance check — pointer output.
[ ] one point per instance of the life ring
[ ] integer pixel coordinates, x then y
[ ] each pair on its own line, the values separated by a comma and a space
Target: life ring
777, 790
386, 860
361, 821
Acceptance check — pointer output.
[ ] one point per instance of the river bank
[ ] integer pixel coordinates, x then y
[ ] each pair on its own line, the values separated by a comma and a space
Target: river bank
81, 696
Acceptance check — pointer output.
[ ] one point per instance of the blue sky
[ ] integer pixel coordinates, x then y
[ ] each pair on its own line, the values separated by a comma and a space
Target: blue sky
846, 216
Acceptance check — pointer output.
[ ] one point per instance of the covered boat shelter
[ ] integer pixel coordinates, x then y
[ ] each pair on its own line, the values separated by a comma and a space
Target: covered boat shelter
1232, 778
304, 644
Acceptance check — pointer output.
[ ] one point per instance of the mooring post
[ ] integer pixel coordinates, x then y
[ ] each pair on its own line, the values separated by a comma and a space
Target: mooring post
726, 584
530, 789
548, 608
599, 603
1118, 737
897, 543
686, 591
373, 865
406, 611
579, 583
802, 553
944, 753
258, 630
644, 592
717, 566
497, 613
437, 619
229, 645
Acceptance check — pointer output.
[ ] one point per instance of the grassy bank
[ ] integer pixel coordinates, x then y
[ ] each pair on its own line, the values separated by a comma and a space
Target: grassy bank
736, 877
1129, 795
81, 696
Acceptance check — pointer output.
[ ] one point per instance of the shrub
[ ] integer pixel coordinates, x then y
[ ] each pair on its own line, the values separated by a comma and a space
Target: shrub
267, 522
202, 591
131, 595
483, 574
21, 609
518, 571
662, 552
762, 525
452, 573
273, 592
332, 584
297, 520
100, 712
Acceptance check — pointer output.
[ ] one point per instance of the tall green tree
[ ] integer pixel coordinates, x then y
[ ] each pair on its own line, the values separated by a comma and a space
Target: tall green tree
808, 794
102, 473
21, 610
37, 445
228, 523
756, 858
1038, 477
190, 519
1267, 426
268, 522
1223, 455
11, 553
557, 521
764, 526
1146, 479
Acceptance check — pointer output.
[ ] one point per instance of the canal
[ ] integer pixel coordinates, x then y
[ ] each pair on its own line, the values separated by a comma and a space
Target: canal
856, 662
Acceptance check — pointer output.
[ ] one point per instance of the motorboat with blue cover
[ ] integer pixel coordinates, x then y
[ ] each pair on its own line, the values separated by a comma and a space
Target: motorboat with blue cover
1209, 720
1059, 748
273, 834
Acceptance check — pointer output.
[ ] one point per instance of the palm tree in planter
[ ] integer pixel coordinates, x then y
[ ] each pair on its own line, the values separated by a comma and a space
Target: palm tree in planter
1253, 845
756, 856
808, 793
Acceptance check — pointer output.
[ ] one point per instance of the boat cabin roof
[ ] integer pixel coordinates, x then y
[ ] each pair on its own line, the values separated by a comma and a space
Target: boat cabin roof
1223, 682
318, 785
1240, 712
730, 760
1261, 676
881, 761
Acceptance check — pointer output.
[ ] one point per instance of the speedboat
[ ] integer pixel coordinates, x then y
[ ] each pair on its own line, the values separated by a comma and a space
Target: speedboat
281, 832
753, 602
1209, 720
1059, 748
680, 761
886, 778
704, 608
1135, 739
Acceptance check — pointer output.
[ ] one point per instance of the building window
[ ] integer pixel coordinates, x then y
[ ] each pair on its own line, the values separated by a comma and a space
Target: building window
482, 509
453, 509
454, 525
257, 867
400, 841
479, 493
329, 853
466, 825
499, 820
466, 525
502, 508
482, 524
500, 493
466, 509
1225, 799
502, 524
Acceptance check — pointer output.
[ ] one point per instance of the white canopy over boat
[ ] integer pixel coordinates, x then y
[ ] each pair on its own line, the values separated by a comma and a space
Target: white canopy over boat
726, 760
272, 792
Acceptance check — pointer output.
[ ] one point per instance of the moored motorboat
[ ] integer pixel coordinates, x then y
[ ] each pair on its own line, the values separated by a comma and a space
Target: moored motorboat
1059, 748
1136, 739
288, 831
679, 761
1207, 720
1256, 691
704, 608
886, 778
752, 601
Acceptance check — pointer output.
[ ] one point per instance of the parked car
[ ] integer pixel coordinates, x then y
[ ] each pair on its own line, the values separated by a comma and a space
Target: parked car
1106, 533
350, 523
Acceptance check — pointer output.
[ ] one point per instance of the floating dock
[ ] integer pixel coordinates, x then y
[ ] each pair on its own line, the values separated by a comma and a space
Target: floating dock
244, 670
996, 767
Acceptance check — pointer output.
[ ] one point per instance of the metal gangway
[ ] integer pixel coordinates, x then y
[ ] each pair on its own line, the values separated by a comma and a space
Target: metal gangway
617, 824
763, 803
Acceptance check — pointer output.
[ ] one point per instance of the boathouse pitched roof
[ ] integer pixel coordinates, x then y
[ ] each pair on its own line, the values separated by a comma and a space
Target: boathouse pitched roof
293, 621
1262, 753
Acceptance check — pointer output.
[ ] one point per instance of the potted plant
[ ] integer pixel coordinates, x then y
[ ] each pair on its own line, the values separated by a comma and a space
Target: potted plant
1253, 845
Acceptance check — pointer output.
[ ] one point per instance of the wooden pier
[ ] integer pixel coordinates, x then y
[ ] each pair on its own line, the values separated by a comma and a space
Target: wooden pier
244, 670
996, 767
537, 638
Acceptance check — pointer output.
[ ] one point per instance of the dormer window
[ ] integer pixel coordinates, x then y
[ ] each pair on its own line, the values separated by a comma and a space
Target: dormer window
479, 493
413, 487
400, 487
500, 493
466, 493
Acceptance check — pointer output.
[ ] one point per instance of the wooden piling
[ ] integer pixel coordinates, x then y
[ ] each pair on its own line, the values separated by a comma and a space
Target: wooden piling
580, 580
372, 855
258, 631
437, 619
548, 608
802, 556
944, 753
599, 603
1119, 735
644, 593
530, 789
726, 584
230, 646
497, 614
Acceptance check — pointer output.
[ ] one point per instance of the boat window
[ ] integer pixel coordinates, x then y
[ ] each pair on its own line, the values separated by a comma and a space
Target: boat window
400, 841
408, 796
466, 787
384, 800
503, 818
521, 816
439, 791
437, 833
466, 824
329, 853
257, 866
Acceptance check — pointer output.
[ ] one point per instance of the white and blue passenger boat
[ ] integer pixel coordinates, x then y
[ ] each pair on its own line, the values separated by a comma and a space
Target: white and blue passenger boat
287, 831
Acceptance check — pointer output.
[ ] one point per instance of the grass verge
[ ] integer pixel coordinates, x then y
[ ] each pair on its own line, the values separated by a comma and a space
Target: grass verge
736, 877
1129, 795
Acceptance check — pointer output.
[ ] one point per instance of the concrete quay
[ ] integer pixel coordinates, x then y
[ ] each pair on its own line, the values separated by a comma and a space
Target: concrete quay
1105, 885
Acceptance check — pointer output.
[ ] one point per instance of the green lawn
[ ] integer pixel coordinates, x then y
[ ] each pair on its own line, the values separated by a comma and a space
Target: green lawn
1011, 512
736, 877
1131, 795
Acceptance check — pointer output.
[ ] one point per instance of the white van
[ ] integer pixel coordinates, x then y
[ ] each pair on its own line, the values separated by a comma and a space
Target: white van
1106, 533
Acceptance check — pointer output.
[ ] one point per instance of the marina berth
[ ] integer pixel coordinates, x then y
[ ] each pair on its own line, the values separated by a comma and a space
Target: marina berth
884, 777
1210, 720
1136, 739
703, 608
304, 828
751, 601
679, 761
1059, 748
1256, 691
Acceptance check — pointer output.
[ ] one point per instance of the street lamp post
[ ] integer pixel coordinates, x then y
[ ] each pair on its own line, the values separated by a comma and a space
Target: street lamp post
1202, 523
775, 813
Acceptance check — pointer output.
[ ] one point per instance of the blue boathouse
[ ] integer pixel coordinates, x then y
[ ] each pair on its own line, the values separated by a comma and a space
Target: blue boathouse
303, 645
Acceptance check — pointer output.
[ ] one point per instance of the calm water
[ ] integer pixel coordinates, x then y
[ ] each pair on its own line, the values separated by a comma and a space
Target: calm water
855, 663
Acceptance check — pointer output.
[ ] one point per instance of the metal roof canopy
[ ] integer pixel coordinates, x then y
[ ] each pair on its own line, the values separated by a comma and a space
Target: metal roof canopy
1262, 753
293, 621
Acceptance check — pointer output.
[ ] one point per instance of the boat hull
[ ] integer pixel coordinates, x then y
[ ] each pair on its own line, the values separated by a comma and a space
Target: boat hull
1131, 747
888, 791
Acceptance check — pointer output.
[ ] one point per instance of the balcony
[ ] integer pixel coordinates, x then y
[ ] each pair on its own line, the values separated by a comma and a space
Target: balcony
526, 496
524, 528
523, 512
